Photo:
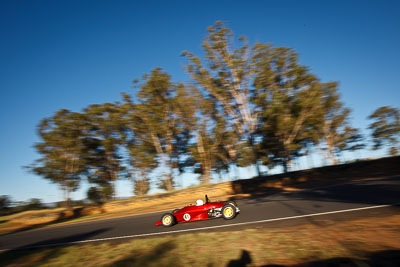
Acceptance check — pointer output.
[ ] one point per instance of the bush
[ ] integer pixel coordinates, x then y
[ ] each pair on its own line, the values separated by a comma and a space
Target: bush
5, 202
34, 204
95, 195
142, 186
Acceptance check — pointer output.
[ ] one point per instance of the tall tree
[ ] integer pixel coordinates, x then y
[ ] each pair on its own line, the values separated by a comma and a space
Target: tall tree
288, 97
143, 161
142, 152
211, 143
106, 137
62, 150
386, 128
154, 120
334, 127
226, 75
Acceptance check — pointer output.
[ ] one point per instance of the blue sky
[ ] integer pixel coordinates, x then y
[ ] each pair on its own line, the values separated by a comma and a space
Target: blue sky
69, 54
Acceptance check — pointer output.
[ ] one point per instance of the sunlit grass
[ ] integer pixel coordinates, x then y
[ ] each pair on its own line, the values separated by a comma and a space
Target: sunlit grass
353, 240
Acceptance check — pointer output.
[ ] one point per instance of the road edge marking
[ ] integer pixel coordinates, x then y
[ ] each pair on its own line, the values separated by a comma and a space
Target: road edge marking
153, 212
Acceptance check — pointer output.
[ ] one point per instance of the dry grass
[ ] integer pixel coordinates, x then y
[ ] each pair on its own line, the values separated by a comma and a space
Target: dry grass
358, 243
119, 208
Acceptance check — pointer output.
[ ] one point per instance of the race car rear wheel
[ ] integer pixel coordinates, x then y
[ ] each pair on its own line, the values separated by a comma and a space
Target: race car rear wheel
168, 220
228, 212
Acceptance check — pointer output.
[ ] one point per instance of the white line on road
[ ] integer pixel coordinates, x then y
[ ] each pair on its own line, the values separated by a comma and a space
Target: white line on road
160, 211
212, 227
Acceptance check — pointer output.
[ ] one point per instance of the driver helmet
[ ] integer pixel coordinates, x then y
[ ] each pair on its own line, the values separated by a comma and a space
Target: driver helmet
199, 202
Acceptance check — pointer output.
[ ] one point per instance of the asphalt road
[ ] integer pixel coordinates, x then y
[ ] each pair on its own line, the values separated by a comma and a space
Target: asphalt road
312, 206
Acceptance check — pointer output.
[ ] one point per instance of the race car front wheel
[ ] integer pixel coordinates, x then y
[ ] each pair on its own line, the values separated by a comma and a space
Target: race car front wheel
232, 202
228, 212
168, 219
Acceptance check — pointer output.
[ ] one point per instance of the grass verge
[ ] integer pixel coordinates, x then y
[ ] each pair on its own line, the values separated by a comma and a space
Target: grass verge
359, 242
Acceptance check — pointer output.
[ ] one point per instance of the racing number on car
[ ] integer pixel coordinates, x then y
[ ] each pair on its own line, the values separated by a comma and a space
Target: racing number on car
186, 216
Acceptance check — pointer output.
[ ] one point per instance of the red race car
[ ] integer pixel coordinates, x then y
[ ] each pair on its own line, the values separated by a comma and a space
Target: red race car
201, 211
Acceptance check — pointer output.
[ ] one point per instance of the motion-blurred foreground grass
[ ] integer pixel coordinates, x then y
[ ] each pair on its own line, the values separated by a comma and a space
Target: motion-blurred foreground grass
362, 242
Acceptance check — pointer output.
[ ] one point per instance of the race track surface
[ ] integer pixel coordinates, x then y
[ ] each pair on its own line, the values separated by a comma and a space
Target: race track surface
311, 206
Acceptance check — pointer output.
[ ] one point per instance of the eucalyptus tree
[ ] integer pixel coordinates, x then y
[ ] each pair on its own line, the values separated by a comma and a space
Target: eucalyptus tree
352, 140
139, 144
225, 76
210, 142
385, 128
143, 160
62, 150
154, 120
288, 98
105, 138
335, 130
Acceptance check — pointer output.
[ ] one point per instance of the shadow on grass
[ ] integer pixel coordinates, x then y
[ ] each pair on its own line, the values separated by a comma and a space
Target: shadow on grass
62, 217
44, 249
161, 256
244, 259
386, 258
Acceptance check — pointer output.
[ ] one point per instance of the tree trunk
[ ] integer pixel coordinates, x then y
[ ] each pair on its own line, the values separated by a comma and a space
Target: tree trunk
285, 166
168, 182
255, 156
310, 161
113, 194
68, 198
206, 173
170, 178
205, 162
290, 164
65, 194
286, 156
331, 152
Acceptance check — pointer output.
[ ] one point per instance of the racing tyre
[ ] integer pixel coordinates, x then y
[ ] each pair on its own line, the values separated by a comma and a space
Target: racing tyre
168, 220
233, 203
228, 212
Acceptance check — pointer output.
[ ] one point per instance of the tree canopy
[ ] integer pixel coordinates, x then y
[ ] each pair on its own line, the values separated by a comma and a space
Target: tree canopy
386, 128
244, 106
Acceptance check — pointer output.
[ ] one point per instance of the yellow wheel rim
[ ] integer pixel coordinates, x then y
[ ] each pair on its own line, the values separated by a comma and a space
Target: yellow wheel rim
228, 212
167, 220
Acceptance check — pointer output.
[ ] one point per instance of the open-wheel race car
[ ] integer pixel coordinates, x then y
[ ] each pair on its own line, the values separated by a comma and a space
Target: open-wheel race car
201, 211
